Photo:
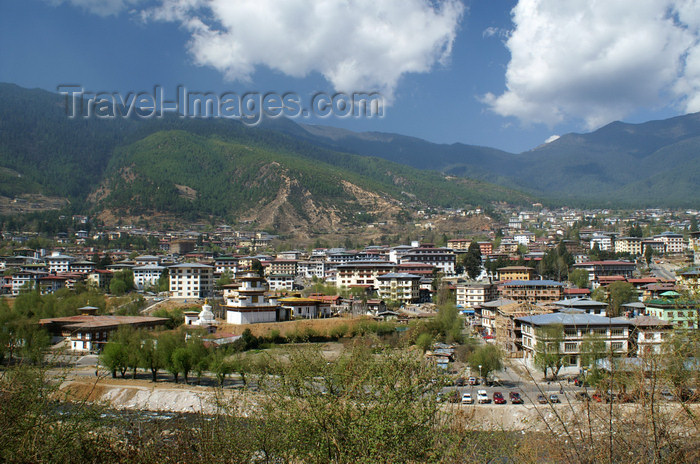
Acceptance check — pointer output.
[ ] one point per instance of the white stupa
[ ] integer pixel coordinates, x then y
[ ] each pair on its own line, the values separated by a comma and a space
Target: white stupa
205, 318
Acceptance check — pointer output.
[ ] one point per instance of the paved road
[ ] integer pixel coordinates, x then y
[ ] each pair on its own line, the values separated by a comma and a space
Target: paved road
662, 272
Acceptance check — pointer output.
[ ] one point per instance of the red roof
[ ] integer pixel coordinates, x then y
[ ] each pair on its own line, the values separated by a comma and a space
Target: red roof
576, 291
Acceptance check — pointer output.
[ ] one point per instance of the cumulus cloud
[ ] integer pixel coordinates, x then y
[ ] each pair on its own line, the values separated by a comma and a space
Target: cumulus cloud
100, 7
599, 60
357, 45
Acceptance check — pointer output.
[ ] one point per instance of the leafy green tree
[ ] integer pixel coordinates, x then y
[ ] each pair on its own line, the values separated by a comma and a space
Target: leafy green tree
149, 357
592, 350
424, 341
183, 361
225, 279
168, 342
115, 358
489, 357
471, 261
620, 293
163, 281
548, 351
579, 277
648, 255
221, 365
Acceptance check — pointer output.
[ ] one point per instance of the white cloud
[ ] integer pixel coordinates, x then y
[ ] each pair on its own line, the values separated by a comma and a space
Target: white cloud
599, 60
357, 45
100, 7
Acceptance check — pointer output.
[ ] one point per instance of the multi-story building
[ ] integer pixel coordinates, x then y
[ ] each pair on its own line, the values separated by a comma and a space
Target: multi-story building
648, 335
100, 278
226, 264
25, 280
401, 287
605, 242
147, 276
673, 243
596, 269
312, 268
249, 305
279, 282
191, 280
459, 244
441, 258
682, 314
58, 262
282, 266
532, 291
631, 245
486, 248
147, 260
576, 327
82, 267
362, 273
508, 273
471, 294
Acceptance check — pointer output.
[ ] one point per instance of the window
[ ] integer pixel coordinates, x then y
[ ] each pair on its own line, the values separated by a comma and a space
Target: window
569, 347
617, 332
616, 346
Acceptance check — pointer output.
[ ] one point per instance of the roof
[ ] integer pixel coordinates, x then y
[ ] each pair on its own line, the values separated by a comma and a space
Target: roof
650, 321
195, 265
575, 318
533, 283
497, 303
398, 275
580, 303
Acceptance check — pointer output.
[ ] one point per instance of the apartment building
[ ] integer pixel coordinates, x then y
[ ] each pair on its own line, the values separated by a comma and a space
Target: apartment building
441, 258
191, 280
471, 294
401, 287
532, 291
362, 273
673, 243
631, 245
508, 273
147, 276
577, 327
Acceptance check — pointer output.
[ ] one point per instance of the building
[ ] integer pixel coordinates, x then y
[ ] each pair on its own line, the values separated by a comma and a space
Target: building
605, 242
282, 266
596, 269
586, 305
442, 258
305, 308
576, 328
648, 335
279, 282
362, 273
459, 244
486, 248
191, 280
147, 276
58, 262
100, 278
532, 291
471, 294
147, 260
25, 280
225, 264
631, 245
399, 286
89, 333
506, 274
312, 268
82, 267
249, 305
673, 243
682, 314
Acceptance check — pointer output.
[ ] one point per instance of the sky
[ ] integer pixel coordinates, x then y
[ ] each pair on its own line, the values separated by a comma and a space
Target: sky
509, 74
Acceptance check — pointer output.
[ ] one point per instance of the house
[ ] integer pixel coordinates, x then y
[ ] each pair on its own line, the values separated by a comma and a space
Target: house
191, 280
683, 314
249, 304
532, 291
471, 294
278, 282
508, 273
88, 333
147, 260
576, 328
648, 335
305, 308
399, 286
690, 279
282, 266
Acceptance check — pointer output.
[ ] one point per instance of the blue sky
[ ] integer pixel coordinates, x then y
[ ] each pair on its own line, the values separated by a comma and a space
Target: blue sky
507, 74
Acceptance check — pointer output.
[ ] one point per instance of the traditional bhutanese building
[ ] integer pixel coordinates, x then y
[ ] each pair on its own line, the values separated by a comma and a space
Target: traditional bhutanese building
249, 305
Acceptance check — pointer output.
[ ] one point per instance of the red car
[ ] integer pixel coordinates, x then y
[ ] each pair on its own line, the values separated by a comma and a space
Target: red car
498, 398
515, 398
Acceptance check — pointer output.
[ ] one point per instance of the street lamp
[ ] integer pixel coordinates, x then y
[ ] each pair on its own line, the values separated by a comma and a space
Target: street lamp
479, 370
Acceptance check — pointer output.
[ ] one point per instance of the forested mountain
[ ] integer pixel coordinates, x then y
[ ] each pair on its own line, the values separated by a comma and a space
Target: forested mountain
194, 168
649, 164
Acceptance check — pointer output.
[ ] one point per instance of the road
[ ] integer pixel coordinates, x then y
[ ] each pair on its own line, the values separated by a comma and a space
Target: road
662, 272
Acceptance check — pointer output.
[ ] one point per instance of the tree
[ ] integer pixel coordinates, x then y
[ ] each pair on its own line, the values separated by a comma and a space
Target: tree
115, 358
489, 357
424, 341
220, 365
183, 361
579, 277
548, 351
225, 279
168, 342
592, 349
635, 231
149, 357
648, 255
472, 261
619, 294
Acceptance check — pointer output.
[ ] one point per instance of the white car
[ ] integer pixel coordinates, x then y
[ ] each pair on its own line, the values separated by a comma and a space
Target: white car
467, 399
482, 397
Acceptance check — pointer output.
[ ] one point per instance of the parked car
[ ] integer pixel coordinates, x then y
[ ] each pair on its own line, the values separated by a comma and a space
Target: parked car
541, 399
553, 398
498, 398
467, 398
482, 397
460, 382
473, 381
515, 398
667, 395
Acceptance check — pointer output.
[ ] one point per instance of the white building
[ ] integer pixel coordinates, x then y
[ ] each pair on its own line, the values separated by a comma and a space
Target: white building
401, 287
147, 276
249, 305
58, 263
605, 242
147, 260
205, 318
305, 308
277, 282
673, 243
191, 280
473, 294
